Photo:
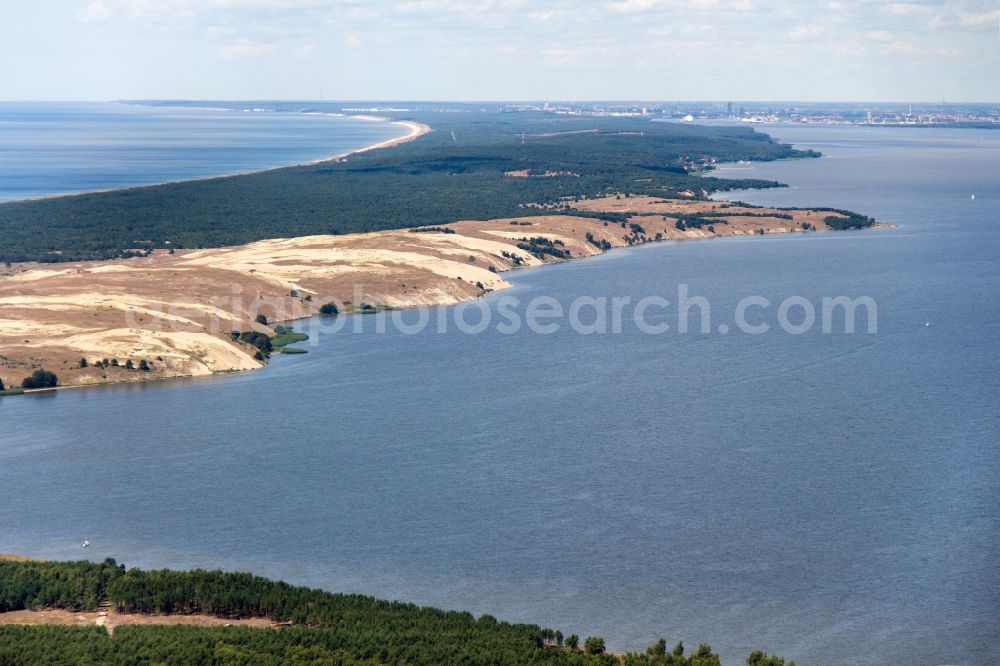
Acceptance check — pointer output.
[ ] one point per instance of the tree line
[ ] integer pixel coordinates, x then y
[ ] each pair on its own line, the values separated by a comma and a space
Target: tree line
318, 627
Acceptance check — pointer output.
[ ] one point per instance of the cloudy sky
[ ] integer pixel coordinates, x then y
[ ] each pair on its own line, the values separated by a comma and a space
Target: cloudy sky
501, 49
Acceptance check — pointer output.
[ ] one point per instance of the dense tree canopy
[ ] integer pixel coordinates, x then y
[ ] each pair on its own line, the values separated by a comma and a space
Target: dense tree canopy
458, 171
320, 627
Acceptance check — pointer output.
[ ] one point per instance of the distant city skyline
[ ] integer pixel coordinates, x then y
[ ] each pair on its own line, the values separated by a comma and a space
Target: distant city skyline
502, 50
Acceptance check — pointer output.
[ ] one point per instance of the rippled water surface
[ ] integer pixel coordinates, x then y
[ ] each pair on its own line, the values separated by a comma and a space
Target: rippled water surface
830, 497
61, 148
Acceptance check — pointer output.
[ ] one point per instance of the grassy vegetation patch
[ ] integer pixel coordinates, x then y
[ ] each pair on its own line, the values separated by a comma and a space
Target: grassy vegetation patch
287, 338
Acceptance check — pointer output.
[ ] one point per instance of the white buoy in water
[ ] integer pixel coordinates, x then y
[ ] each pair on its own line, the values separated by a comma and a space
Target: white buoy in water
973, 197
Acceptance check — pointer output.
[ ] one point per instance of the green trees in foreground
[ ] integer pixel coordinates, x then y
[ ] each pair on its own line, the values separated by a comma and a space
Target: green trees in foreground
759, 658
594, 645
317, 627
657, 655
71, 585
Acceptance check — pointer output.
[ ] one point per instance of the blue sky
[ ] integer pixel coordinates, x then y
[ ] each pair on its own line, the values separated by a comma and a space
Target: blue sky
501, 49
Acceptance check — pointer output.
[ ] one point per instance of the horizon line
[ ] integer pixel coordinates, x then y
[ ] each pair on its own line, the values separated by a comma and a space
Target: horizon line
503, 101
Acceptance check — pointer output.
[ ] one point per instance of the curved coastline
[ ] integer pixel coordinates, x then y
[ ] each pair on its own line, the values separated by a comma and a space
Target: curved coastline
290, 278
413, 130
102, 304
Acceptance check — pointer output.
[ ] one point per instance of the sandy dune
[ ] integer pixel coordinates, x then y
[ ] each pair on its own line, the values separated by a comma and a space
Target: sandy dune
176, 311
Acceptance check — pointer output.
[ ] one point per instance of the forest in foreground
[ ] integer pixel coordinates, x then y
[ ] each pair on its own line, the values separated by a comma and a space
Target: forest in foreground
461, 170
315, 627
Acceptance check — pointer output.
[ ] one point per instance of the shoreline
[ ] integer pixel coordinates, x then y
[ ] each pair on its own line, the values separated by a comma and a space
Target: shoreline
51, 316
414, 131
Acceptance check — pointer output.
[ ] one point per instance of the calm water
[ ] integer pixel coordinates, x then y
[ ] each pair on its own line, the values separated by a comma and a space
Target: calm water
833, 498
60, 148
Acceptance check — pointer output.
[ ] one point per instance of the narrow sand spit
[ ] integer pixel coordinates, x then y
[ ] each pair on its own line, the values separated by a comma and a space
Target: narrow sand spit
177, 311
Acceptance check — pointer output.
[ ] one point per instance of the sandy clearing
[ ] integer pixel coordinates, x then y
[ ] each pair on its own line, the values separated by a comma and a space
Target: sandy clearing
129, 303
16, 327
460, 241
198, 353
111, 619
38, 274
521, 235
261, 261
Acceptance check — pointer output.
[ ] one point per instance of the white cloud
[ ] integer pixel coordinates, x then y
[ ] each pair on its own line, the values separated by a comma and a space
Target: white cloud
560, 55
541, 16
219, 31
633, 6
594, 53
903, 8
245, 48
466, 34
628, 6
697, 29
899, 46
95, 12
979, 20
965, 19
150, 11
269, 4
445, 7
805, 31
660, 31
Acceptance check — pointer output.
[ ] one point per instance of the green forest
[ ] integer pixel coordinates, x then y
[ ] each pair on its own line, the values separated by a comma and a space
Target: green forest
455, 172
317, 627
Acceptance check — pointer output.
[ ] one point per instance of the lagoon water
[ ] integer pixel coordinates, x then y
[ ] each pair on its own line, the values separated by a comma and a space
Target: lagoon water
66, 147
830, 497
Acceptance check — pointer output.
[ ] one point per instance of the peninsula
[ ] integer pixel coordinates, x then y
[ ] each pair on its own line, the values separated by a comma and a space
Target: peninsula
403, 224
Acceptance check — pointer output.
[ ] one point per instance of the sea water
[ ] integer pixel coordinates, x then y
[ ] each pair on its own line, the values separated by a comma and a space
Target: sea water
831, 497
65, 147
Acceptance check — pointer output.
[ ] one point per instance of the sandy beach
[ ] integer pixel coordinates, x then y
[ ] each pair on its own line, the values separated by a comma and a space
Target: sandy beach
413, 131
